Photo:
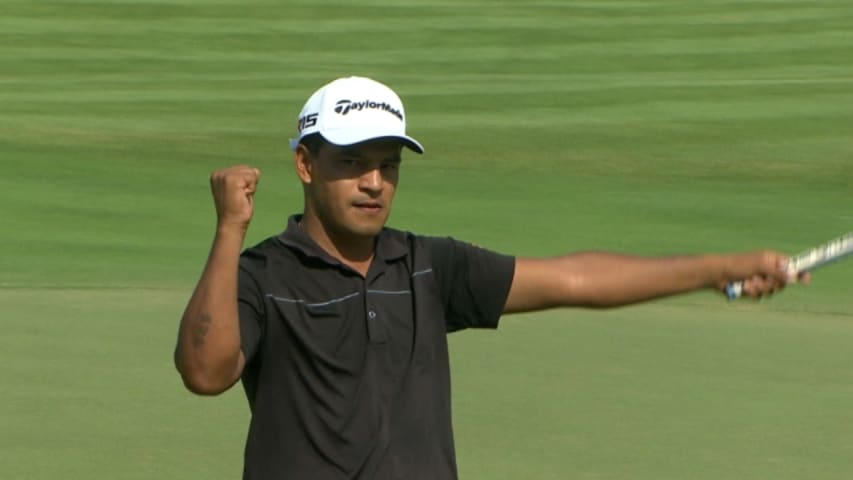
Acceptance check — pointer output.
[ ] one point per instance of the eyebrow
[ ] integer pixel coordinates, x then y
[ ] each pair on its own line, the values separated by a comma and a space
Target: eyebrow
351, 152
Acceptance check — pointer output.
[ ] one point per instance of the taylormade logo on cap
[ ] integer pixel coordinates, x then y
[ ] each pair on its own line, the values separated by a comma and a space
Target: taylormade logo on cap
377, 112
344, 106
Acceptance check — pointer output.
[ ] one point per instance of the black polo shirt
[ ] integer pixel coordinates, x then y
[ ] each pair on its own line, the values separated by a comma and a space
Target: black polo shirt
348, 377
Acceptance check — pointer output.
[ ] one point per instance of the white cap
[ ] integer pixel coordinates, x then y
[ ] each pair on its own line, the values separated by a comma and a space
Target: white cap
353, 110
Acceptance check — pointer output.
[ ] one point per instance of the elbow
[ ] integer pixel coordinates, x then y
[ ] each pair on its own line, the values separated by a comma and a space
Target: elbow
200, 381
580, 291
201, 384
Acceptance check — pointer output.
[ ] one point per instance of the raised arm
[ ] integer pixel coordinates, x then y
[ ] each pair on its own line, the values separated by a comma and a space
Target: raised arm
600, 280
207, 353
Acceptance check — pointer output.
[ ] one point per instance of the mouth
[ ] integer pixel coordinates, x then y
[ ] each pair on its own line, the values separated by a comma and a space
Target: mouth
369, 207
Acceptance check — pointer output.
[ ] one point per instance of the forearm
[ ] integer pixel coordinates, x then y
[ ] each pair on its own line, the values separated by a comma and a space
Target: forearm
596, 279
608, 280
208, 350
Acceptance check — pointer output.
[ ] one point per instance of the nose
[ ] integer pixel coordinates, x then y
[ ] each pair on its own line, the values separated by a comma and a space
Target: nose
371, 181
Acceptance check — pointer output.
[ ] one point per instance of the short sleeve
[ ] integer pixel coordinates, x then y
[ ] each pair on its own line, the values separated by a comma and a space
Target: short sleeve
474, 282
250, 308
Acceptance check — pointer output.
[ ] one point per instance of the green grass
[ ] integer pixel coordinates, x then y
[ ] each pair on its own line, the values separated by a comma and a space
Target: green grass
641, 126
89, 391
658, 392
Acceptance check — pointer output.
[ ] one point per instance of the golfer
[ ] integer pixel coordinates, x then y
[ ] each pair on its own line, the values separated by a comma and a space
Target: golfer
337, 326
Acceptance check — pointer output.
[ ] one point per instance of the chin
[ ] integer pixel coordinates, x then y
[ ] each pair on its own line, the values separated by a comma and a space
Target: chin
370, 226
356, 228
365, 230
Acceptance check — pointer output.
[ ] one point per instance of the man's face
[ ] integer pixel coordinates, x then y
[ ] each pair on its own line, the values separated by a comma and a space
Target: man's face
351, 188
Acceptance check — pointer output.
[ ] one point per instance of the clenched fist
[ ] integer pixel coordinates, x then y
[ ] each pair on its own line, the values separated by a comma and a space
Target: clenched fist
233, 190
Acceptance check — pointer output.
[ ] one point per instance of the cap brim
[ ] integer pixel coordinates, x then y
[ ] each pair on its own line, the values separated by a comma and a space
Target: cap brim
406, 140
412, 144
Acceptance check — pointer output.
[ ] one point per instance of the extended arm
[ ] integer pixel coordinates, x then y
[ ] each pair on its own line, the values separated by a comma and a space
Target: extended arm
207, 353
599, 280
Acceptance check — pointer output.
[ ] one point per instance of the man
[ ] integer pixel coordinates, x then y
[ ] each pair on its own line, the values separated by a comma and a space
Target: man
337, 326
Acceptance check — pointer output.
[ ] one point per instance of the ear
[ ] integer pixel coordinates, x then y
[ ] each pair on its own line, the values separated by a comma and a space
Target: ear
303, 162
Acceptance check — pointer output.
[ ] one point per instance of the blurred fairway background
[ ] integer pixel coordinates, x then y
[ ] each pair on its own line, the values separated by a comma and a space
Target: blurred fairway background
640, 126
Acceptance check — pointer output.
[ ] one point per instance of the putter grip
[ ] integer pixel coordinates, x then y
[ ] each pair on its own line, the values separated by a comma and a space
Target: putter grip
806, 261
734, 290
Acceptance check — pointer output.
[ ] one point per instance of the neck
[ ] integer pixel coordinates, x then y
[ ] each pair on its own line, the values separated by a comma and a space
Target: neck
352, 250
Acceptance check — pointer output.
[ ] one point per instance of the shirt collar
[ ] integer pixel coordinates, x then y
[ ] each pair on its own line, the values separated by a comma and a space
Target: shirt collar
389, 247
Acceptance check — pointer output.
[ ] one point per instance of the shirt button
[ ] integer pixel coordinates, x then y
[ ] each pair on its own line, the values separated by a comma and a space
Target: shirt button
371, 314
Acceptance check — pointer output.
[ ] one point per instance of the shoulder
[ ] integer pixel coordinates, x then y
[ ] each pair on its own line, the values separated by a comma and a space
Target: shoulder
449, 253
418, 243
257, 256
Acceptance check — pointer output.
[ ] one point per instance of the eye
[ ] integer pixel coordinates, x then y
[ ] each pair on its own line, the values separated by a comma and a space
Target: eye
390, 164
